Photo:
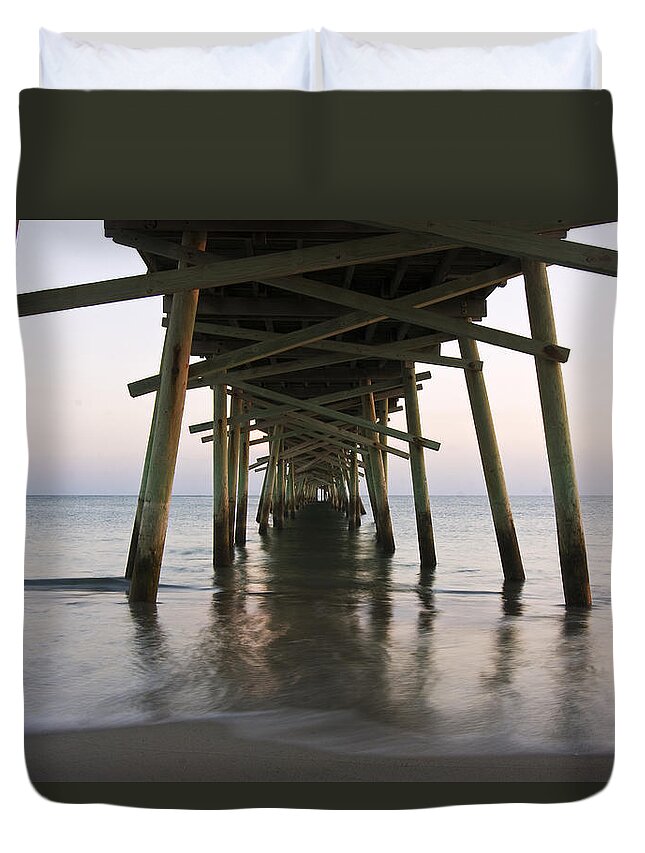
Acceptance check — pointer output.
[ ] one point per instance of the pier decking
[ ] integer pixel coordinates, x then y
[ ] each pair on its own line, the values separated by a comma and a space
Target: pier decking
308, 333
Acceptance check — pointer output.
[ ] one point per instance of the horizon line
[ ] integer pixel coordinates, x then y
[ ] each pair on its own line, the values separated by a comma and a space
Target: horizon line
392, 495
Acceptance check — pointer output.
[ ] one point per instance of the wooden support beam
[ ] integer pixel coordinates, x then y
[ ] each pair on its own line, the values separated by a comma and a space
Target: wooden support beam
383, 419
222, 548
241, 510
357, 319
291, 501
498, 498
425, 534
146, 564
384, 520
263, 490
354, 509
369, 484
279, 495
517, 243
134, 538
426, 318
571, 539
220, 273
371, 425
338, 436
332, 397
439, 274
234, 439
270, 480
411, 350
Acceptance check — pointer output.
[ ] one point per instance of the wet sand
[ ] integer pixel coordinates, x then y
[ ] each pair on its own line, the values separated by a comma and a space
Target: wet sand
203, 765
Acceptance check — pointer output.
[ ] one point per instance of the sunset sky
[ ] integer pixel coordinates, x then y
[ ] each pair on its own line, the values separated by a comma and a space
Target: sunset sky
88, 436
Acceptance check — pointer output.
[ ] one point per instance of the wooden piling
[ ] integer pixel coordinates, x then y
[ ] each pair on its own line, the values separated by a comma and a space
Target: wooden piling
269, 481
498, 498
233, 459
384, 523
134, 538
169, 407
383, 418
571, 540
369, 485
258, 514
425, 533
291, 490
242, 488
279, 494
222, 547
354, 509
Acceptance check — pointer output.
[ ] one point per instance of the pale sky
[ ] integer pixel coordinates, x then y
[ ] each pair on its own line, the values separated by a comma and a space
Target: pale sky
88, 436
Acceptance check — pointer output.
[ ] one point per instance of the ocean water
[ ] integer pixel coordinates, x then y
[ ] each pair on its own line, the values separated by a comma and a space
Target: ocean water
315, 638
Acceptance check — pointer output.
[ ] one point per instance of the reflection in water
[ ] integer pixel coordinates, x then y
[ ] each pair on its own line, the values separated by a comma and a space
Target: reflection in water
309, 631
573, 716
314, 635
505, 658
151, 656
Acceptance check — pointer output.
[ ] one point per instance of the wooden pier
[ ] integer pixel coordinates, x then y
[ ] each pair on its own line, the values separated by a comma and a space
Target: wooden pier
308, 333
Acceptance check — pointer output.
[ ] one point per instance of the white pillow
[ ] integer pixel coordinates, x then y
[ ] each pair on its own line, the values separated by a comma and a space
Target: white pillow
286, 62
566, 62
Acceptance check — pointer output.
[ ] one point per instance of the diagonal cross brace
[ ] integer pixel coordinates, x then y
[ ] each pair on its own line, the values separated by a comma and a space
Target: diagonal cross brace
466, 284
363, 423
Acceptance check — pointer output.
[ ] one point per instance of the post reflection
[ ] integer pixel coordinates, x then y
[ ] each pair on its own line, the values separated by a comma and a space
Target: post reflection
152, 659
575, 708
506, 656
309, 631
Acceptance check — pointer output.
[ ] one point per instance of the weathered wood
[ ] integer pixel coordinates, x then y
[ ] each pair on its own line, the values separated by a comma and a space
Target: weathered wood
222, 547
354, 510
425, 318
270, 481
298, 403
279, 495
324, 399
263, 490
330, 431
222, 273
291, 496
498, 498
369, 485
146, 566
333, 434
346, 323
234, 438
520, 244
134, 538
410, 350
383, 419
241, 510
571, 540
425, 533
259, 307
384, 520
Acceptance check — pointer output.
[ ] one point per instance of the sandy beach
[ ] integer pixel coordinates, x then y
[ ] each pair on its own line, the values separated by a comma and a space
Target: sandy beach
202, 765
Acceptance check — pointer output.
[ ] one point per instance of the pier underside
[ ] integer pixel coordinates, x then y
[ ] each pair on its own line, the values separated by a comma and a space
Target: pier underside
308, 332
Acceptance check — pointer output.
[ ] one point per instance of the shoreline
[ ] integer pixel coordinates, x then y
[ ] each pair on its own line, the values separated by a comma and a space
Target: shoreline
202, 765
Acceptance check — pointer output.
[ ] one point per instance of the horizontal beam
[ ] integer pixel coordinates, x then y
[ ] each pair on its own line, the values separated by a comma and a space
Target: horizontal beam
333, 397
411, 350
421, 316
260, 307
517, 243
303, 337
362, 423
208, 273
333, 429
